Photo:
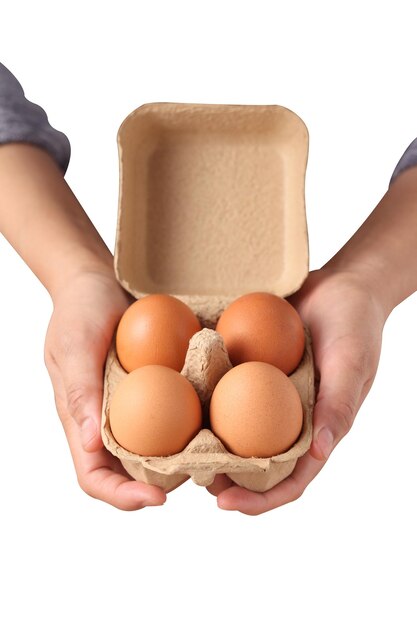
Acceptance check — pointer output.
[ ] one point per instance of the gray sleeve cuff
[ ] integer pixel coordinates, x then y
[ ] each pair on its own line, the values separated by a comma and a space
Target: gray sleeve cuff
408, 159
24, 121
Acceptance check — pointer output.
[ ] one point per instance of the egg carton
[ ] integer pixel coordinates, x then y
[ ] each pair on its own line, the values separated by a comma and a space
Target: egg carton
211, 207
205, 456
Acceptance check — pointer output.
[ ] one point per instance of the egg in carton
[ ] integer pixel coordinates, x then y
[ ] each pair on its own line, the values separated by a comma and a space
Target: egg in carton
211, 206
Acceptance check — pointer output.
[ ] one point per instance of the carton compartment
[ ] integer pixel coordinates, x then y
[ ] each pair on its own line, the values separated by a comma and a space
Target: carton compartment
205, 456
211, 202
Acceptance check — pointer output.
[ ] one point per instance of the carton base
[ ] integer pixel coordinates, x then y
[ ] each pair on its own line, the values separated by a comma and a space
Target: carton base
205, 456
150, 477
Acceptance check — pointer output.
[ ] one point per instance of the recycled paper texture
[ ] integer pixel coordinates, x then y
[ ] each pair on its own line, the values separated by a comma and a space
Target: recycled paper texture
211, 207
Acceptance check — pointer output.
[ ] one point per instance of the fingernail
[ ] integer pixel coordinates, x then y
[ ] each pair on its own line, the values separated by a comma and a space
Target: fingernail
224, 506
152, 503
88, 431
325, 441
155, 501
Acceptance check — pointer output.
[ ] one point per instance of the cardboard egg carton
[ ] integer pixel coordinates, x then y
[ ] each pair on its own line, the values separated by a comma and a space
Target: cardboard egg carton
211, 207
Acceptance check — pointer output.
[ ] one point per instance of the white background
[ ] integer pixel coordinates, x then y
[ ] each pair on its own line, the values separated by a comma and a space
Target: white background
346, 551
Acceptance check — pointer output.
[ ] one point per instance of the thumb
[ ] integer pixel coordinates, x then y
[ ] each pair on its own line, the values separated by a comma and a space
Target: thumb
342, 380
82, 377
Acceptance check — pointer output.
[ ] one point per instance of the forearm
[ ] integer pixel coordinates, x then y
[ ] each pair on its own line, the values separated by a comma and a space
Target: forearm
43, 220
383, 252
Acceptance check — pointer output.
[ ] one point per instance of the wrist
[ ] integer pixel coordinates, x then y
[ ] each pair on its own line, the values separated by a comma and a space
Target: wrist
382, 254
43, 220
82, 275
367, 275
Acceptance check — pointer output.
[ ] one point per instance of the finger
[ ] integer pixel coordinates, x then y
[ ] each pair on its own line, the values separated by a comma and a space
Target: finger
80, 361
344, 374
251, 503
126, 494
220, 483
102, 476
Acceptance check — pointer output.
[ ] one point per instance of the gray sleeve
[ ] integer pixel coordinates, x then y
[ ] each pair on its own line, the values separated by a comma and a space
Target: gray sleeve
408, 159
24, 121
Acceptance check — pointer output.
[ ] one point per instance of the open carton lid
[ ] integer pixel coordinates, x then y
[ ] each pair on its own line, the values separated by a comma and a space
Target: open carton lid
211, 203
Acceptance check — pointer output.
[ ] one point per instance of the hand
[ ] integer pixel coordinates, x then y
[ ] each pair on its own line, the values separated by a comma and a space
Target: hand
79, 335
346, 323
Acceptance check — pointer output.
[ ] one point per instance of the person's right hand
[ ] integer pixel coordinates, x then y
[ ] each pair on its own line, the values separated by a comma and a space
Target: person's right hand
79, 335
346, 322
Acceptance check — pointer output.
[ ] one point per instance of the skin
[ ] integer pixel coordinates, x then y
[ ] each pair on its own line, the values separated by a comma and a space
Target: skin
44, 222
345, 304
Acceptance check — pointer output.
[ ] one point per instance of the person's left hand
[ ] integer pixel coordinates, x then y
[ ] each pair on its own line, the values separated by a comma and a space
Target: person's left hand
346, 322
86, 312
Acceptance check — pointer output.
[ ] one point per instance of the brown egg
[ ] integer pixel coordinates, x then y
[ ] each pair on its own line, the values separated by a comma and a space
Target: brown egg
255, 410
155, 330
263, 327
155, 411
